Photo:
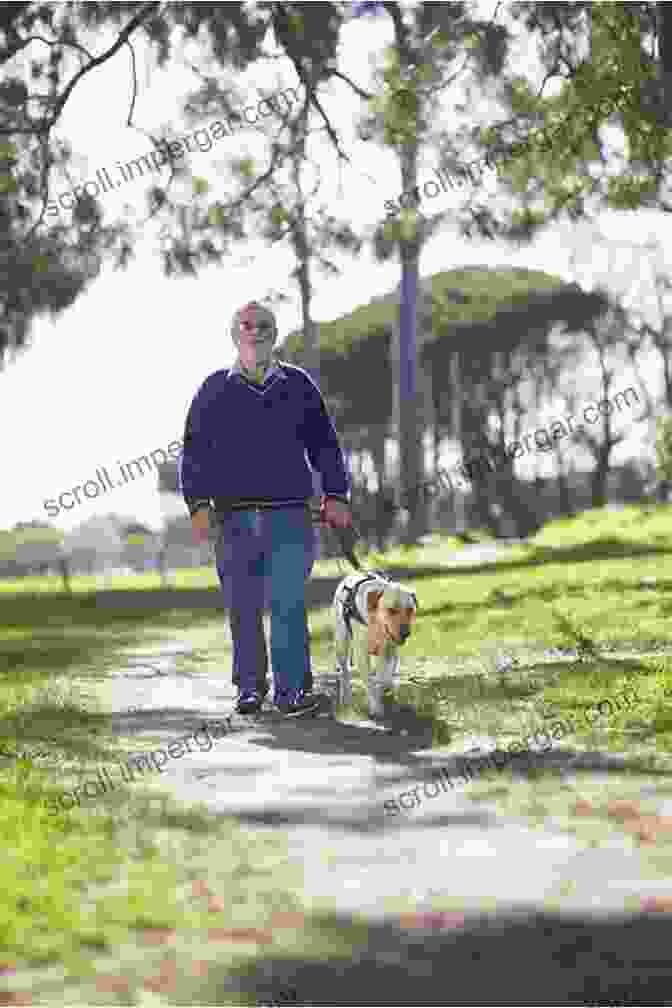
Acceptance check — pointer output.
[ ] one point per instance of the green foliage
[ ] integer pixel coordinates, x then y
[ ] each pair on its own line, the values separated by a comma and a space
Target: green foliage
43, 50
559, 160
480, 309
10, 541
664, 447
574, 635
200, 185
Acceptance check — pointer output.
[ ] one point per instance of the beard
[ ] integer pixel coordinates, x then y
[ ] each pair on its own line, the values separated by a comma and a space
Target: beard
256, 359
260, 356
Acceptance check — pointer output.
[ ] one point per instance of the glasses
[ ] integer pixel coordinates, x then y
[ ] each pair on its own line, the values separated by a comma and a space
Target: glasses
247, 324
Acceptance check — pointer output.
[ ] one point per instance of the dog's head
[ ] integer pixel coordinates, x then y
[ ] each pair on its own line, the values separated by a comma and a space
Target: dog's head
395, 609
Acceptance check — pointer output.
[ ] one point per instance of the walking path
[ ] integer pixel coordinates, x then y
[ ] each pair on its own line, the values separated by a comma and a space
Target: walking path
324, 783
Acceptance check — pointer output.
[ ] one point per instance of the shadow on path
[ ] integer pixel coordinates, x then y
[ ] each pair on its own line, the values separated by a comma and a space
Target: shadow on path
397, 763
518, 958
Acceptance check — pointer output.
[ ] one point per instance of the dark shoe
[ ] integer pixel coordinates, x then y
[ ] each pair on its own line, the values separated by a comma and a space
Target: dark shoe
263, 691
261, 686
249, 702
298, 703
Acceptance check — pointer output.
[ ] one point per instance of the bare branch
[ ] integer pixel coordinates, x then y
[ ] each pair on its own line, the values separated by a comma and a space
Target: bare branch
50, 42
124, 34
44, 186
43, 128
134, 78
329, 128
355, 87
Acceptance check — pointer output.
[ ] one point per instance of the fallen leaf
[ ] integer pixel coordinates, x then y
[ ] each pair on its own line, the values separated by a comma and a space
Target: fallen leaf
436, 920
7, 968
159, 985
18, 998
112, 984
199, 888
215, 905
583, 807
201, 967
241, 934
623, 809
452, 920
288, 919
157, 936
642, 826
166, 980
656, 904
647, 833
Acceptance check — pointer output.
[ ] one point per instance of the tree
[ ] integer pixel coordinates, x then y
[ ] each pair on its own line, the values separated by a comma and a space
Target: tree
39, 270
655, 335
551, 152
664, 448
43, 42
505, 336
277, 208
505, 325
414, 72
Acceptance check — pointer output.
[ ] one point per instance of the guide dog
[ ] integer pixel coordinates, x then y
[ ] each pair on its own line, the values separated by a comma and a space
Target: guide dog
373, 618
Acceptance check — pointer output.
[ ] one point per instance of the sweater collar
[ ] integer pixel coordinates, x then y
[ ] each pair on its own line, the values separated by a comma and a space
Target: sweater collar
272, 371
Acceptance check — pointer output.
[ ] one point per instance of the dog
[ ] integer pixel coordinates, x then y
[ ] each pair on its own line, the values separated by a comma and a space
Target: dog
373, 618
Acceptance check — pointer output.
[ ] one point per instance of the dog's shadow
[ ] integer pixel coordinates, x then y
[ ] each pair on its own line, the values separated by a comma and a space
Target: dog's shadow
327, 735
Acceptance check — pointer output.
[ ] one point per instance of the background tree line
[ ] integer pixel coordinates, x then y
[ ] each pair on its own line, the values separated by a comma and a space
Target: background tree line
594, 134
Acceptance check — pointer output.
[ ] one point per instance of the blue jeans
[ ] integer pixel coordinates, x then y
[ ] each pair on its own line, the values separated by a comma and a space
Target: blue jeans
264, 557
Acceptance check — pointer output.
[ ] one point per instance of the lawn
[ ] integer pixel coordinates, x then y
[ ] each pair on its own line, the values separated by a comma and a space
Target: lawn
578, 612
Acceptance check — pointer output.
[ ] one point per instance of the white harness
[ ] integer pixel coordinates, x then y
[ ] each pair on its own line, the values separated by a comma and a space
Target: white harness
349, 607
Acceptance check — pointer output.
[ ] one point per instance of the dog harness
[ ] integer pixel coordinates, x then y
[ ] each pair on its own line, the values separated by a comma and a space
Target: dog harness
350, 610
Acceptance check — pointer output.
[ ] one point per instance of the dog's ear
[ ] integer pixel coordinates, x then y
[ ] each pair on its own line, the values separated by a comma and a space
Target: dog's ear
372, 599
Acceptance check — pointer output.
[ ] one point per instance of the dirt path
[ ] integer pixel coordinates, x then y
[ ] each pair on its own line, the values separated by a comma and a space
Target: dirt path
536, 916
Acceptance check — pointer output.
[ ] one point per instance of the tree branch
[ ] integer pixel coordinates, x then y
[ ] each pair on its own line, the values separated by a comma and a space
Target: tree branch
124, 34
134, 76
355, 87
49, 42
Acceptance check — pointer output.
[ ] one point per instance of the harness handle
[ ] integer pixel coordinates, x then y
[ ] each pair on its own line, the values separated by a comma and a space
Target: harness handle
347, 537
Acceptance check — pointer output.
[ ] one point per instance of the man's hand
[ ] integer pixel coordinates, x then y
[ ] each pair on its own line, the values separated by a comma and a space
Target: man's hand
337, 514
200, 526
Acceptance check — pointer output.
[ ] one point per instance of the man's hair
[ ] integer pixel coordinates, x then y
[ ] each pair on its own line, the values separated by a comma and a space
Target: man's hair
261, 309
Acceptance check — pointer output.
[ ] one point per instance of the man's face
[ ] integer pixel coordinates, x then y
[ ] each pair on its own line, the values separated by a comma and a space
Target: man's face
255, 330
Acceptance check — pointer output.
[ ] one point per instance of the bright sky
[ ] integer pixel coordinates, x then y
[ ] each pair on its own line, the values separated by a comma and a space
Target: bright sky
112, 378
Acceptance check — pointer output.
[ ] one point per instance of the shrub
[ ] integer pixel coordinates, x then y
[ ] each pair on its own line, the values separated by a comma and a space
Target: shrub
664, 447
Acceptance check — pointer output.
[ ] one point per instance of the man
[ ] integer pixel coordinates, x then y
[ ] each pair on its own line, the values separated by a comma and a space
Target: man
250, 433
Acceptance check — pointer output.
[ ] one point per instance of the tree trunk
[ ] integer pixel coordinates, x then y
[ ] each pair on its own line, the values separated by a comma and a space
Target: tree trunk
407, 404
564, 492
65, 574
599, 475
303, 252
459, 499
377, 438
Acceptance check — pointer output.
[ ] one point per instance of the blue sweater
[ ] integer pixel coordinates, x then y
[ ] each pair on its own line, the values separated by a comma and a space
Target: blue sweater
249, 443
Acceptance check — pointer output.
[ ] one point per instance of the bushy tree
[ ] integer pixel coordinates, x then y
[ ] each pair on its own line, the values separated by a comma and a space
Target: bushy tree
664, 448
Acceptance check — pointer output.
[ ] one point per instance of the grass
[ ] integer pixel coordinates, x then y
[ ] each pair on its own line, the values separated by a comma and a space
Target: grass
82, 895
95, 902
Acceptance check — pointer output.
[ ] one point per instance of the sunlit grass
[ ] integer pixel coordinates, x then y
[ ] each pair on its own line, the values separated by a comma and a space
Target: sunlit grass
82, 885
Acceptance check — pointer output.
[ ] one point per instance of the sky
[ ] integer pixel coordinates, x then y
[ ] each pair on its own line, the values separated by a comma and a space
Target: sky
113, 376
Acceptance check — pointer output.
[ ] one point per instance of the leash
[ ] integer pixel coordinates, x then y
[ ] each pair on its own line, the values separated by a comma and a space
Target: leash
347, 537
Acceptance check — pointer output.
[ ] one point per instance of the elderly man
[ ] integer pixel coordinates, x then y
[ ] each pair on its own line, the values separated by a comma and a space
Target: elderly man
250, 433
